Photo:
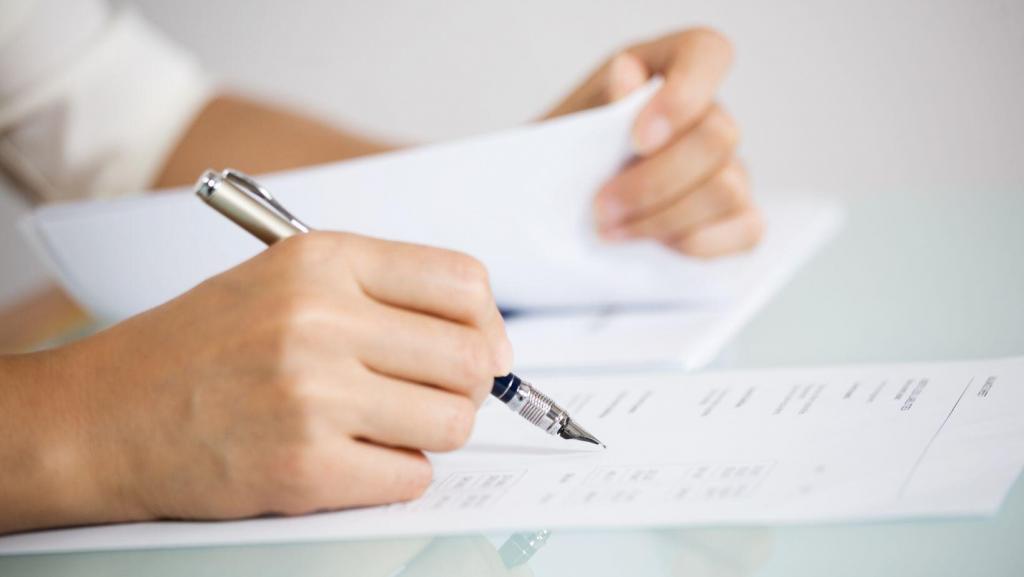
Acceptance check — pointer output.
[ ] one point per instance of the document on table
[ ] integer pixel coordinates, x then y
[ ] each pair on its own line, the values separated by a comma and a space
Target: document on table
764, 447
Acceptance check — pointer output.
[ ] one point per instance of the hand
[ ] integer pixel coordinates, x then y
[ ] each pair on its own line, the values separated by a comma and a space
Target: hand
310, 377
686, 188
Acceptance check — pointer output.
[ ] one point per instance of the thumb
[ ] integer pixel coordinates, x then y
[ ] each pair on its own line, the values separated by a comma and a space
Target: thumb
613, 80
626, 73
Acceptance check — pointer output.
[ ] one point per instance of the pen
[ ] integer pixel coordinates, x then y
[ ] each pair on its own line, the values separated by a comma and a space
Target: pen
243, 201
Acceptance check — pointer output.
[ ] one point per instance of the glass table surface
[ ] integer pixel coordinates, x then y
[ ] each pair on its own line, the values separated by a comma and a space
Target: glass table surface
913, 276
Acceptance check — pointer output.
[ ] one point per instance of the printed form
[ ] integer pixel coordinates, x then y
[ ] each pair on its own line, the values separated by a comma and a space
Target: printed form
761, 447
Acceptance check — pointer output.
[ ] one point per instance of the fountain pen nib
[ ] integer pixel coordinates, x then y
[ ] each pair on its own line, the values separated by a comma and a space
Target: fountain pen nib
575, 432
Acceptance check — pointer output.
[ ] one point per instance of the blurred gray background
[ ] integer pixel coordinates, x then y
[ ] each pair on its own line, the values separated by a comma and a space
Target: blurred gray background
837, 97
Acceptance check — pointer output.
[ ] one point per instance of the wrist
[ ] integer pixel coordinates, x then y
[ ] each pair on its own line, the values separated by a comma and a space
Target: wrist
55, 469
96, 437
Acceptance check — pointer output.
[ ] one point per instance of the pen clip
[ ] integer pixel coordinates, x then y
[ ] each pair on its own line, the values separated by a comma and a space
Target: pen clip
247, 184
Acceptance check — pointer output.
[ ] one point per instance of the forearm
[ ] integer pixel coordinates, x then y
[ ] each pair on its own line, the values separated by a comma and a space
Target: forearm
256, 137
230, 132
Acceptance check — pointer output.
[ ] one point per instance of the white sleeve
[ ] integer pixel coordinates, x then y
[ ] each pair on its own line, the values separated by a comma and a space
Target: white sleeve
92, 100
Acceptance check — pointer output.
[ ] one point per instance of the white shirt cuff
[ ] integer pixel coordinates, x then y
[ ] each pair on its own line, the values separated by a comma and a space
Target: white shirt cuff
104, 124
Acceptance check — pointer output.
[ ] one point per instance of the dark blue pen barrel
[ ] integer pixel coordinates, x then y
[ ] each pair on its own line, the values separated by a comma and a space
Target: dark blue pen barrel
504, 388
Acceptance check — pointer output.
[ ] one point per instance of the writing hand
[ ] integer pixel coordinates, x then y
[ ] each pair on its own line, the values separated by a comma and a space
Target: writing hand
309, 377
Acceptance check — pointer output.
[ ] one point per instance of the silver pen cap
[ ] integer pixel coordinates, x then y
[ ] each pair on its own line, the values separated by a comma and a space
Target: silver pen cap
248, 205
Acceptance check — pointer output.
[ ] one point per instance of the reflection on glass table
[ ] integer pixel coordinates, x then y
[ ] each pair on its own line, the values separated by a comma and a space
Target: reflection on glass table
693, 553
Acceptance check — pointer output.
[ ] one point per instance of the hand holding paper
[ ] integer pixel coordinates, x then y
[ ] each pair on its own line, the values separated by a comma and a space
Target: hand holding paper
687, 190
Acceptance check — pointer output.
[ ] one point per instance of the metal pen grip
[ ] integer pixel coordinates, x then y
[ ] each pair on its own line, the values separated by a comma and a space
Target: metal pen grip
538, 408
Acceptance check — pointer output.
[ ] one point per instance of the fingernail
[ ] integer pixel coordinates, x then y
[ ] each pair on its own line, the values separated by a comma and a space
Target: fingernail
609, 211
652, 133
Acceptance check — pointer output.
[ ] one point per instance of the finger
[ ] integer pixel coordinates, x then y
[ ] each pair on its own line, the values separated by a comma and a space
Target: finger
725, 193
693, 63
351, 473
435, 281
653, 183
736, 233
626, 73
612, 81
393, 474
430, 280
404, 414
415, 347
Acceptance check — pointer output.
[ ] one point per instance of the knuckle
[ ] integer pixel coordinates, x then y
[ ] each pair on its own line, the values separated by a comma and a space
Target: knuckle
737, 173
298, 321
475, 360
293, 486
469, 269
648, 225
638, 182
661, 227
296, 466
458, 423
314, 246
706, 35
755, 230
315, 263
692, 245
732, 189
293, 406
683, 103
473, 278
640, 228
722, 130
317, 252
620, 55
295, 306
642, 188
413, 480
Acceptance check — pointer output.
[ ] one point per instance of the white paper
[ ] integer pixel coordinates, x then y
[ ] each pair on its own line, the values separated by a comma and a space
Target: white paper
774, 446
519, 200
686, 336
120, 257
